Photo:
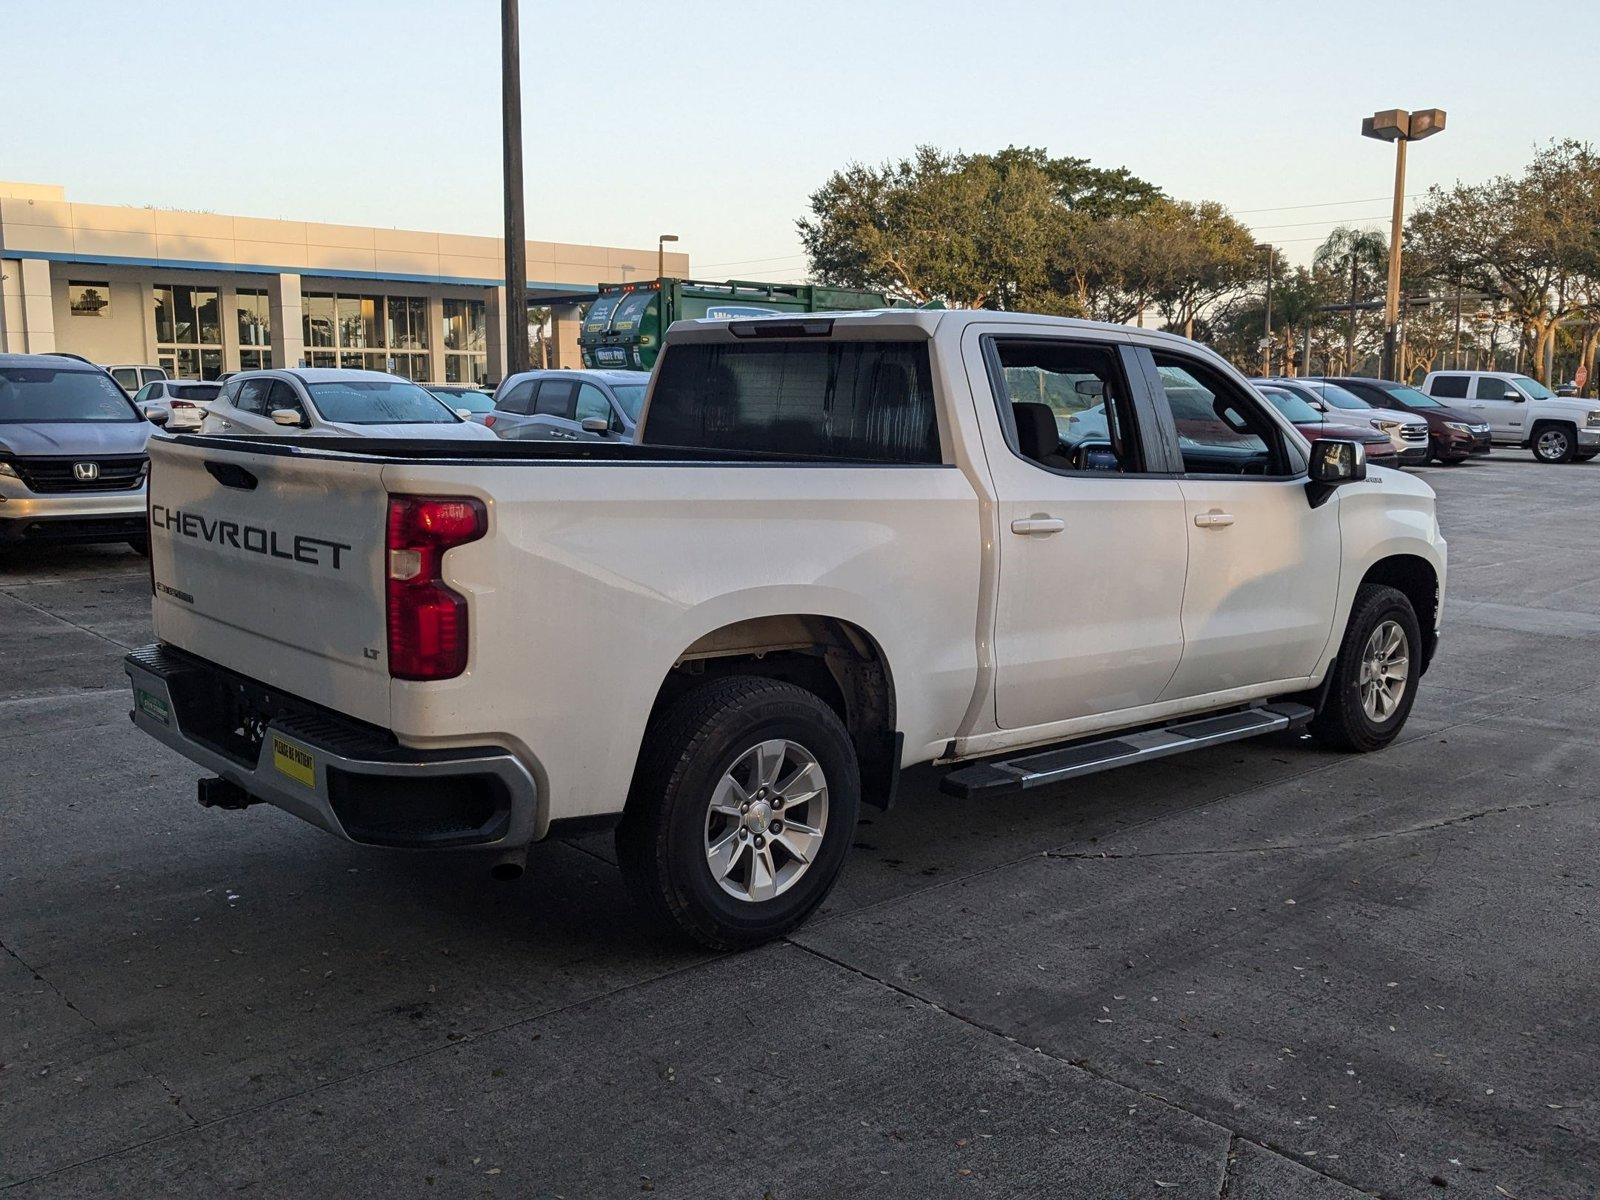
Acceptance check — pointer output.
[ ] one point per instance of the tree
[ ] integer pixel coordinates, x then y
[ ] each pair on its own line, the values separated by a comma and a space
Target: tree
1012, 229
1532, 239
1208, 255
1359, 255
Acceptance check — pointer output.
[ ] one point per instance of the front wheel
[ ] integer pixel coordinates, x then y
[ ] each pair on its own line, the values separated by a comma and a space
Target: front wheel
741, 812
1375, 676
1553, 444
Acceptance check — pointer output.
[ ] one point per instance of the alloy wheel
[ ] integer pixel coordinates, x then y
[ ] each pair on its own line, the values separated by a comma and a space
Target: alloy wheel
766, 820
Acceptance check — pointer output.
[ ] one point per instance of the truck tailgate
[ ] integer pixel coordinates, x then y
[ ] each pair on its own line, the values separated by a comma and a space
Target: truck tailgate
271, 564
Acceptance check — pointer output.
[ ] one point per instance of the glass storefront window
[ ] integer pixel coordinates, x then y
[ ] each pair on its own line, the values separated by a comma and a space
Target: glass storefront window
188, 330
163, 309
254, 317
318, 320
208, 315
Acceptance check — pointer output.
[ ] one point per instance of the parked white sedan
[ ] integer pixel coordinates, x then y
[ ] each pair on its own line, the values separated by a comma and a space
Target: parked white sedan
184, 401
333, 402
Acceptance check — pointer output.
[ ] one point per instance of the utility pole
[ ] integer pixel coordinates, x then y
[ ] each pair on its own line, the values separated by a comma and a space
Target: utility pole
1456, 363
1266, 338
1400, 127
516, 234
1350, 328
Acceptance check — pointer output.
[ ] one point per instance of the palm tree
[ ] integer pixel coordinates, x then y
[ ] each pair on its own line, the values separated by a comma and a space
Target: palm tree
1358, 252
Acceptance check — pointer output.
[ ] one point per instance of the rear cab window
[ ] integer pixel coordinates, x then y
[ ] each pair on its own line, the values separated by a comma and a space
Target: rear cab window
855, 400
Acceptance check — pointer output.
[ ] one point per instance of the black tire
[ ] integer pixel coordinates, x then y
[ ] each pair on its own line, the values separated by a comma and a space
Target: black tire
662, 840
140, 545
1343, 722
1553, 442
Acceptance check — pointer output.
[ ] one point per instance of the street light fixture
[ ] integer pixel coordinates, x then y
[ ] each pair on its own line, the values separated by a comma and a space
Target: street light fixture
1266, 338
1398, 126
625, 268
661, 253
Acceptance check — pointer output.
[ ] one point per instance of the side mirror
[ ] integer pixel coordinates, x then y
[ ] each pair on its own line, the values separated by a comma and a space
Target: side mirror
464, 413
288, 416
1334, 462
596, 425
157, 416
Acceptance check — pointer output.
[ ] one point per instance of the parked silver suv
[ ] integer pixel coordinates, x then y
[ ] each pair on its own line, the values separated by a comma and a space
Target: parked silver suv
558, 406
72, 454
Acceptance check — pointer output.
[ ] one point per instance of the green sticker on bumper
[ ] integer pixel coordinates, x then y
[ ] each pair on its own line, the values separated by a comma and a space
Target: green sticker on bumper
152, 706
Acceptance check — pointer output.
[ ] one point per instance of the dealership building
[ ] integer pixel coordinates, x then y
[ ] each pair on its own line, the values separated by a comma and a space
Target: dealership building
203, 293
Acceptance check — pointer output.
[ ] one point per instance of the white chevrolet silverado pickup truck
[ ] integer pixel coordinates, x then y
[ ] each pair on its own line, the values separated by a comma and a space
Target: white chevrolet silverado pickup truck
1022, 548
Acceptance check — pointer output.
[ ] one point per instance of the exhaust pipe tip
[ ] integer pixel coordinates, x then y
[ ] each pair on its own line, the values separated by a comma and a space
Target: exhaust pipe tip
507, 870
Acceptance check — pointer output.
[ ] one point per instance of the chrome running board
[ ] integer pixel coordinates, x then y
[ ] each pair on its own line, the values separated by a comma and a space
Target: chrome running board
1072, 759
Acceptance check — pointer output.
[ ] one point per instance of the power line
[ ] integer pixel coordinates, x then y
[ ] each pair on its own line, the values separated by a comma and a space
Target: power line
1325, 221
1323, 204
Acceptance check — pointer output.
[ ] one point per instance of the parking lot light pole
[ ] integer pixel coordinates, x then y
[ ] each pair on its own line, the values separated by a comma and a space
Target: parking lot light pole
661, 253
517, 356
1398, 126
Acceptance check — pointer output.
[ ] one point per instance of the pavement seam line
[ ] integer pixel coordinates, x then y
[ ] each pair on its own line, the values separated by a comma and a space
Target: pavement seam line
65, 621
1325, 844
115, 1043
1233, 1134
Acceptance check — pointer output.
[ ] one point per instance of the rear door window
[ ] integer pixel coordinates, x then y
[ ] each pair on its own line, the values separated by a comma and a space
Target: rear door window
1064, 403
555, 399
849, 400
517, 400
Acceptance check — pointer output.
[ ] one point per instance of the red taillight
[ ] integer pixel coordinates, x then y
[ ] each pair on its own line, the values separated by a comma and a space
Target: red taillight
427, 620
184, 404
489, 421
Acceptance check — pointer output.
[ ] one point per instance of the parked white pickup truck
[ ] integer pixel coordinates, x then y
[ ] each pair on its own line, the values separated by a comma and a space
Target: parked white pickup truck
884, 548
1522, 412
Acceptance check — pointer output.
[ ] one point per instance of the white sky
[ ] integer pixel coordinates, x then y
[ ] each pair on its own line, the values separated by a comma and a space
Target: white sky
716, 120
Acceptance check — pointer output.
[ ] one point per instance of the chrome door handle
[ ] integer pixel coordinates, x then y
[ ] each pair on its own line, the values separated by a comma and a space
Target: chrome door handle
1028, 525
1215, 519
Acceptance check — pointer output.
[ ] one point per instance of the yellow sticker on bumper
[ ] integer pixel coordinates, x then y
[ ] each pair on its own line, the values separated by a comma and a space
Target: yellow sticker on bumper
294, 761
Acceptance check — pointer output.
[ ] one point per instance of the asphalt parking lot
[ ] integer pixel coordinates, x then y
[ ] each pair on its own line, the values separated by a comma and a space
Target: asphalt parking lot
1258, 972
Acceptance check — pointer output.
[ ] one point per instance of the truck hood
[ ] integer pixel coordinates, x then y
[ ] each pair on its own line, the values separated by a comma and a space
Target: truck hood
1569, 406
433, 431
62, 438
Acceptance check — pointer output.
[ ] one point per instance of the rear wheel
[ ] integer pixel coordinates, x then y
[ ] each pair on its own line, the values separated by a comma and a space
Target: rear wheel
1375, 675
741, 811
1553, 443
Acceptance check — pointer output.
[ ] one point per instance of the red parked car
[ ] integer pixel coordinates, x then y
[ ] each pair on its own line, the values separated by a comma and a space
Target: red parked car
1380, 450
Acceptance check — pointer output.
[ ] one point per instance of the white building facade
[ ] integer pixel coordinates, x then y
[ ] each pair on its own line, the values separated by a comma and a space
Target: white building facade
201, 294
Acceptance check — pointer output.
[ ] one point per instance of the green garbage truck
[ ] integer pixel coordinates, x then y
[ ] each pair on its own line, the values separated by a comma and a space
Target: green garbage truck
623, 327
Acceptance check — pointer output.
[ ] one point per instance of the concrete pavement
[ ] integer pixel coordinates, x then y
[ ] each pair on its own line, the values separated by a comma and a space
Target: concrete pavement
1258, 972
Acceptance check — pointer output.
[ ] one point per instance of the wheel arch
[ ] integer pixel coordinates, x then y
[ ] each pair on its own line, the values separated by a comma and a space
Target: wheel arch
1418, 580
834, 658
